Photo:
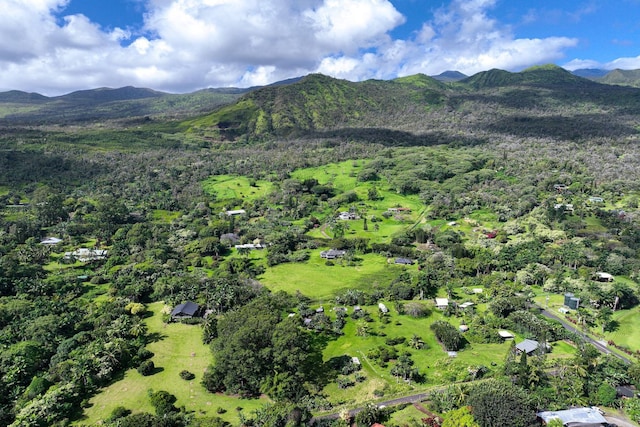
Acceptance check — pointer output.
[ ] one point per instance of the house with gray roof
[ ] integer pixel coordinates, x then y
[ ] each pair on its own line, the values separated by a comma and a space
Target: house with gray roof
527, 346
332, 254
575, 417
186, 310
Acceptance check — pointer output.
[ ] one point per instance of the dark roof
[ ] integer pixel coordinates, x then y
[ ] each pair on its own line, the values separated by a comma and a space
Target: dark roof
185, 309
625, 391
404, 261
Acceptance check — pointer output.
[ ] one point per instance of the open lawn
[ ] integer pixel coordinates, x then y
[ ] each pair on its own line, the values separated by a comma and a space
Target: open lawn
227, 187
627, 333
342, 176
178, 347
165, 216
321, 282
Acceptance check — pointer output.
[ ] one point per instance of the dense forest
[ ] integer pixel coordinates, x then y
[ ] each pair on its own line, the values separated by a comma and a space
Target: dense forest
319, 225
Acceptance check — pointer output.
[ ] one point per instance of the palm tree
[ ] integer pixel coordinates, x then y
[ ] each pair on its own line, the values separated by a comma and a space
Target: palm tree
416, 342
362, 329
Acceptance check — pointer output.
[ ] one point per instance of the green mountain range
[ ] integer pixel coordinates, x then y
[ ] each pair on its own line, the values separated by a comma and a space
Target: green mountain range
536, 101
414, 110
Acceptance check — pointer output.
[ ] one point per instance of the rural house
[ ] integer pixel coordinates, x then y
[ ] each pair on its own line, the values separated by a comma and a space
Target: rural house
575, 417
442, 303
51, 241
404, 261
345, 216
527, 346
332, 254
601, 276
506, 335
86, 255
186, 310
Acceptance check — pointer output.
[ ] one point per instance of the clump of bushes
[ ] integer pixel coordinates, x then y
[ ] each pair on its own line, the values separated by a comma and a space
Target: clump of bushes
146, 368
186, 375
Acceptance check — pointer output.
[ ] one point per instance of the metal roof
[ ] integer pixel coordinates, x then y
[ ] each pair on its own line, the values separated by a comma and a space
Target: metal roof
527, 346
574, 416
186, 309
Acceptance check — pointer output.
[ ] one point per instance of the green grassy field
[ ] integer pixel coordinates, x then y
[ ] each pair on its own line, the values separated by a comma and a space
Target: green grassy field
227, 187
627, 334
321, 282
179, 347
165, 216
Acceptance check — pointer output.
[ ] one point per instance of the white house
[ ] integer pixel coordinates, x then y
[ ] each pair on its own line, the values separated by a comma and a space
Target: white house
442, 303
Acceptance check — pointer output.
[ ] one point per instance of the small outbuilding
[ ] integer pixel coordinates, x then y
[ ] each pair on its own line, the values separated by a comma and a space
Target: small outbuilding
50, 241
571, 301
442, 303
506, 335
601, 276
186, 310
404, 261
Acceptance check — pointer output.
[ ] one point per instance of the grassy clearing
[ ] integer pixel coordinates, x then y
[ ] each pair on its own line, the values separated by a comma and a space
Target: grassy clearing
228, 187
179, 347
627, 333
164, 216
342, 176
321, 282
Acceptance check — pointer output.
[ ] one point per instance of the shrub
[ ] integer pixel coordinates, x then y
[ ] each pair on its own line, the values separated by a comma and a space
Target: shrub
146, 368
448, 335
186, 375
144, 354
118, 412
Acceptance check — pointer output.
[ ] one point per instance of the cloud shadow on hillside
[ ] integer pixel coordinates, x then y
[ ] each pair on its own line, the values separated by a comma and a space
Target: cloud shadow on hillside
398, 138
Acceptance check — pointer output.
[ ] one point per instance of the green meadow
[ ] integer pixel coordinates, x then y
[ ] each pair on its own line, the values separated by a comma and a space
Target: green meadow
227, 187
178, 347
322, 282
627, 333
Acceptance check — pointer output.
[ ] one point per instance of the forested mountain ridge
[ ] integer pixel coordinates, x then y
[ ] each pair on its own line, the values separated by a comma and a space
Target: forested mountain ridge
420, 110
103, 104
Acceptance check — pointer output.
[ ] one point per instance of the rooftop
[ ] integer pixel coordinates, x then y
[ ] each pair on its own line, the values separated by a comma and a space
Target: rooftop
574, 416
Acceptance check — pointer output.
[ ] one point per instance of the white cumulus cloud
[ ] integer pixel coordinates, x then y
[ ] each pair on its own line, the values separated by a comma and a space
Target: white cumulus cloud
185, 45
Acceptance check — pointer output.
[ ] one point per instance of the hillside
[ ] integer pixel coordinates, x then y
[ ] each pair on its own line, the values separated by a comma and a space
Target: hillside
105, 104
622, 77
420, 110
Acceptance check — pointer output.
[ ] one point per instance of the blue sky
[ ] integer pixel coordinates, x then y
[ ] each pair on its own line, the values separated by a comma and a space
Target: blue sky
185, 45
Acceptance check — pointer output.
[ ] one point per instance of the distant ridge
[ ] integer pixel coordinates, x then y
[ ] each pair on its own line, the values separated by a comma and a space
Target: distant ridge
110, 95
18, 96
590, 73
542, 75
622, 77
450, 76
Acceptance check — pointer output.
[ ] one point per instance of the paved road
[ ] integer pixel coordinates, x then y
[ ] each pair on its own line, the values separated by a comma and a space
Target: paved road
597, 344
